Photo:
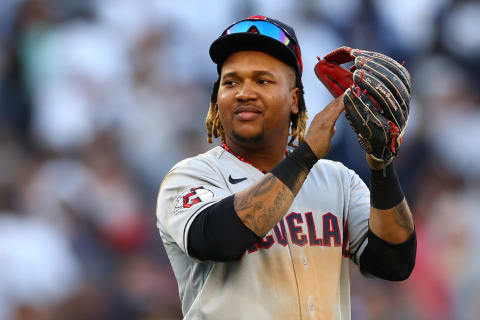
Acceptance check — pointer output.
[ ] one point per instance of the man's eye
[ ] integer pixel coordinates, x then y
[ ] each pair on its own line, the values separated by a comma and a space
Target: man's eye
263, 81
229, 83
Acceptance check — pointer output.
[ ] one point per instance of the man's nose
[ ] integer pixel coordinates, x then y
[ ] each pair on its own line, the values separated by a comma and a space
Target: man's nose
246, 92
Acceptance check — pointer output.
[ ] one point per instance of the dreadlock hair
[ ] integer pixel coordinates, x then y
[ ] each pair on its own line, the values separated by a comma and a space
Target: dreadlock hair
298, 122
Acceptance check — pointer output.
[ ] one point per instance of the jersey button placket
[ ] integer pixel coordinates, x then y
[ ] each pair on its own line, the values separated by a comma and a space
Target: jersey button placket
301, 265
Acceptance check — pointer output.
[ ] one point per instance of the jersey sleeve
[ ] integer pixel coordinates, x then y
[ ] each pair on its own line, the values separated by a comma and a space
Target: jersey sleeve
358, 213
186, 190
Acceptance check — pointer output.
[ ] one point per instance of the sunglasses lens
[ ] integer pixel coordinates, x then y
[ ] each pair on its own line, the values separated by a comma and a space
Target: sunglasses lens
264, 28
268, 29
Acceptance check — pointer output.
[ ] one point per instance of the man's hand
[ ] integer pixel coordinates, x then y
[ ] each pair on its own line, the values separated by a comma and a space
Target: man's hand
322, 128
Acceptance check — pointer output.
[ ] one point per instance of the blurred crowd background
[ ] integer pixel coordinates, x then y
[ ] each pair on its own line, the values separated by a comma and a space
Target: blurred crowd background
99, 98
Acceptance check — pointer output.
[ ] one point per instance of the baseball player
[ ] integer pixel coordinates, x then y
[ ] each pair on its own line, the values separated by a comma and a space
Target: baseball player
254, 231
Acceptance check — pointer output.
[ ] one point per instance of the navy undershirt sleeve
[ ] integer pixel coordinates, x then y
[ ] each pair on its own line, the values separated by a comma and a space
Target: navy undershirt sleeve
388, 261
218, 234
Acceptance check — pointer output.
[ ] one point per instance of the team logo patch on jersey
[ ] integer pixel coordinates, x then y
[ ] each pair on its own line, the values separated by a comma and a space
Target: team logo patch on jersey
191, 197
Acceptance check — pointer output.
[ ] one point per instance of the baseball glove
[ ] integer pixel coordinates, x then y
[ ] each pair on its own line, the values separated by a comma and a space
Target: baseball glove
377, 97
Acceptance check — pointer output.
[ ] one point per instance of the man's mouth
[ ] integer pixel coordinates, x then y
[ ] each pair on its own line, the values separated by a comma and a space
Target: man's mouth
247, 113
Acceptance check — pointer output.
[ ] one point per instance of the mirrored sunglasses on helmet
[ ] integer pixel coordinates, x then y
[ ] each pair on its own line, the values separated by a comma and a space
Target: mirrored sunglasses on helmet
270, 30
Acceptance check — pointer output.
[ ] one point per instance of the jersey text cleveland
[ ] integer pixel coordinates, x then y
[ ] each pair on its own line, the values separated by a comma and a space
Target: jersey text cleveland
302, 231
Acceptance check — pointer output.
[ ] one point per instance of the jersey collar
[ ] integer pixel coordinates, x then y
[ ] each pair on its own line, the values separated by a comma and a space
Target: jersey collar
228, 149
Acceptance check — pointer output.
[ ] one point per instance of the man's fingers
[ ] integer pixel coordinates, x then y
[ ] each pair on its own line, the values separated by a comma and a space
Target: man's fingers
323, 128
333, 110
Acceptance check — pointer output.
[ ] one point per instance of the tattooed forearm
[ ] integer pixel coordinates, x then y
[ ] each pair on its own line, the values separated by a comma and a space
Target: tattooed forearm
261, 206
393, 225
259, 189
266, 186
403, 217
299, 182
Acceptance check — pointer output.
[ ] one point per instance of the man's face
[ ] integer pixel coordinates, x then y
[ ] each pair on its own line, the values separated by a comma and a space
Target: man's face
256, 98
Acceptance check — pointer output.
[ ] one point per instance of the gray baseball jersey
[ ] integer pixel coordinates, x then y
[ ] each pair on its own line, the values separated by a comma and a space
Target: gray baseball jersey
299, 270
